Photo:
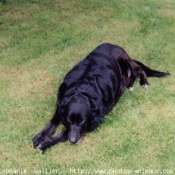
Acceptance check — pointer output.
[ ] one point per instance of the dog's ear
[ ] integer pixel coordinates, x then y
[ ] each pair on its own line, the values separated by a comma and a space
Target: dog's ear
97, 112
94, 122
96, 108
61, 91
60, 101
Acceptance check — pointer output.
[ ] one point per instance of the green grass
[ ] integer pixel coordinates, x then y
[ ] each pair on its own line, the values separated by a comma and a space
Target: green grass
41, 40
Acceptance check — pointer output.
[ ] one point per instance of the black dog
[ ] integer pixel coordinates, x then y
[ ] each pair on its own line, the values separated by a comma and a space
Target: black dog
90, 91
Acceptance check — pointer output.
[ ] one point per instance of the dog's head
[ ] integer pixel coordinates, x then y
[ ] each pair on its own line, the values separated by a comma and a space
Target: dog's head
74, 117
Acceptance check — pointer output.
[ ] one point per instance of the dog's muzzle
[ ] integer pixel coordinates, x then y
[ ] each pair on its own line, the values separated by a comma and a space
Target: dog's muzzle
74, 134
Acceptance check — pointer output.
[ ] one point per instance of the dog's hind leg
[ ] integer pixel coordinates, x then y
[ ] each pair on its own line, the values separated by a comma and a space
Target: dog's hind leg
47, 131
143, 79
137, 72
63, 136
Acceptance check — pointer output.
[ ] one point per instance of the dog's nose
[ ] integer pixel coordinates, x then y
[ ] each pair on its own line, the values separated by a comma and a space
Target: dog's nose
72, 140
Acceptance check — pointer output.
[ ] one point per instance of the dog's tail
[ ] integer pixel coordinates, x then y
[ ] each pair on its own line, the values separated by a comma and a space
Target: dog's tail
150, 72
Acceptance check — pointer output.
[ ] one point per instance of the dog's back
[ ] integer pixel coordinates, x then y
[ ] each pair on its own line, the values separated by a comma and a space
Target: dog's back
98, 76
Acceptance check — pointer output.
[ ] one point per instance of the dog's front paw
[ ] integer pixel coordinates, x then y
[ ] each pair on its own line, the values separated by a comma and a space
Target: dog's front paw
44, 145
38, 139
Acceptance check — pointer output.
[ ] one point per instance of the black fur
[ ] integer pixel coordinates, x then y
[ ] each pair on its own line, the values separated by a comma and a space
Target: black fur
90, 91
3, 2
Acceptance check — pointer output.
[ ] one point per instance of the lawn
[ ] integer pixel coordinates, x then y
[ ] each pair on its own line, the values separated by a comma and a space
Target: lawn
41, 40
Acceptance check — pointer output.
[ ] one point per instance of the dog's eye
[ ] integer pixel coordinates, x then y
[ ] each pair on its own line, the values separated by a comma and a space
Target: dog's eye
82, 121
68, 119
